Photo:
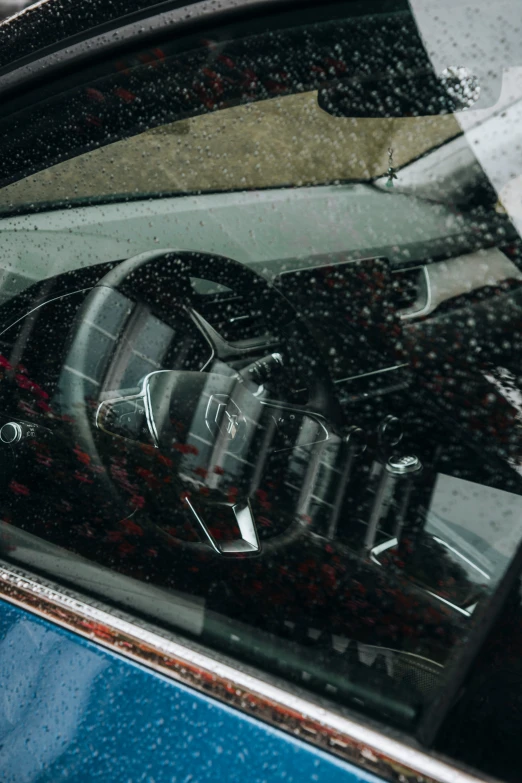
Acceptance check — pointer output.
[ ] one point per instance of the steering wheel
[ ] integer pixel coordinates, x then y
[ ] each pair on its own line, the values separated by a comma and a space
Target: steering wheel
199, 438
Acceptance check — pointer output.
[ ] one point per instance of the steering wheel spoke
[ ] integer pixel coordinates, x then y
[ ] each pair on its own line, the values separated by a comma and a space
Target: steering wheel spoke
221, 348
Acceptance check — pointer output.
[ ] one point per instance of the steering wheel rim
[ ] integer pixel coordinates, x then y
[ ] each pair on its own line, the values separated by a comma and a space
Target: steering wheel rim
146, 268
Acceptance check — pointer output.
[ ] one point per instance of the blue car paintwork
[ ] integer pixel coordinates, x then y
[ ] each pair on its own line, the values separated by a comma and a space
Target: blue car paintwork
73, 711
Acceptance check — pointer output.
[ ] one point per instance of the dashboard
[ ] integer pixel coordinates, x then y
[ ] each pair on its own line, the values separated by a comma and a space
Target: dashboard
280, 434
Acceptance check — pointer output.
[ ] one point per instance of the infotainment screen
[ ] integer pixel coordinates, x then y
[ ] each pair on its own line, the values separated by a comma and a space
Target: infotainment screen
350, 309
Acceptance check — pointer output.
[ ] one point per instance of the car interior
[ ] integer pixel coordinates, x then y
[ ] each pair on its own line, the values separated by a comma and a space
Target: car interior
273, 401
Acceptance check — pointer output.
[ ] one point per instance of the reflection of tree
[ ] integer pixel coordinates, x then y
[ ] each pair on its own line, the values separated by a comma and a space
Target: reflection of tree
37, 693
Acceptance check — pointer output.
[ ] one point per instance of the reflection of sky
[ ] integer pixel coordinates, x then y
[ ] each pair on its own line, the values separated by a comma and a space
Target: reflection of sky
495, 136
40, 712
480, 35
72, 711
477, 34
483, 523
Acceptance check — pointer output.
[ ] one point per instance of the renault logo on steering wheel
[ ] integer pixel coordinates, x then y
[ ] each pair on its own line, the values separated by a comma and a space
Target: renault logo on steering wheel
223, 417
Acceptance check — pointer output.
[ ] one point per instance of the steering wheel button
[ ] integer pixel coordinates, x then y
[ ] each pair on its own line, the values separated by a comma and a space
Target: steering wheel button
125, 418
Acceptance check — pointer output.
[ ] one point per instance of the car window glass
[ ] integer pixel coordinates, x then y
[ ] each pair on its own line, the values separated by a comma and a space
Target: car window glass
260, 355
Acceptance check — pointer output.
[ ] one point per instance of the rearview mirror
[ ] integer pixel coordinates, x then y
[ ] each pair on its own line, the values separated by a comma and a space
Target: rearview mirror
413, 94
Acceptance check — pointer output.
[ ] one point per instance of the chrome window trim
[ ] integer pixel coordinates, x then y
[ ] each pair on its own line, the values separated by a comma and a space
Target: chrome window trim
362, 745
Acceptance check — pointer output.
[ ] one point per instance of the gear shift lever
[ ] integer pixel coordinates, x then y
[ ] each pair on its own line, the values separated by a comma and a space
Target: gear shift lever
395, 486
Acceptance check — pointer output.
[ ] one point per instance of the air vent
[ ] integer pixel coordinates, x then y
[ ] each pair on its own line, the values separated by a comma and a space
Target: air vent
410, 291
233, 316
